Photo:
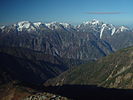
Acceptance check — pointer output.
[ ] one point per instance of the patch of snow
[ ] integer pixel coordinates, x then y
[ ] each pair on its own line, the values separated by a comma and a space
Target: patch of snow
25, 25
55, 25
122, 29
37, 24
2, 27
78, 26
65, 25
113, 31
94, 21
31, 28
51, 25
103, 27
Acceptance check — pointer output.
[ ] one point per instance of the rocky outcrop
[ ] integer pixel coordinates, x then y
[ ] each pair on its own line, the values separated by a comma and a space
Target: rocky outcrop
45, 96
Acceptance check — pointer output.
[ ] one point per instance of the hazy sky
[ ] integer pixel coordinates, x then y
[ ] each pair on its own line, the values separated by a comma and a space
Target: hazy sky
72, 11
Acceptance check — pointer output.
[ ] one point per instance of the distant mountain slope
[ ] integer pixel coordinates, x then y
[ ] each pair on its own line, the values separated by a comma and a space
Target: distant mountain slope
38, 55
121, 40
113, 71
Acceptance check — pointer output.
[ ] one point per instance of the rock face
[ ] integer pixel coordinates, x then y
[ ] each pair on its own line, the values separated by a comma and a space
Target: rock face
113, 71
45, 96
121, 40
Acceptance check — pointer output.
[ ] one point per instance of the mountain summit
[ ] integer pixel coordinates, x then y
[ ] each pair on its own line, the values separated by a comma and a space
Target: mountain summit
100, 28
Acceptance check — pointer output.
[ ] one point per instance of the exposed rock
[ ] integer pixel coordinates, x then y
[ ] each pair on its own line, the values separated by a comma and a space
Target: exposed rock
45, 96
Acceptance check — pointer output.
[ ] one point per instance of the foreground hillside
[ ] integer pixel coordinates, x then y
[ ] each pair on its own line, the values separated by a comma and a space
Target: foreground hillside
113, 71
16, 90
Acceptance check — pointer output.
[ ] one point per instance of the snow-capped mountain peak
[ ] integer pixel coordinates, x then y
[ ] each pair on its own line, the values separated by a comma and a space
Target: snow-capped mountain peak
122, 29
53, 25
56, 25
99, 28
95, 21
92, 22
25, 25
37, 24
66, 25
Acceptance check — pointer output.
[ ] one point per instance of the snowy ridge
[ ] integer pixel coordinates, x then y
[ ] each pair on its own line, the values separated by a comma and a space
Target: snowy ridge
66, 25
122, 29
29, 26
56, 25
25, 25
94, 26
37, 24
2, 28
113, 29
100, 27
97, 26
53, 25
93, 22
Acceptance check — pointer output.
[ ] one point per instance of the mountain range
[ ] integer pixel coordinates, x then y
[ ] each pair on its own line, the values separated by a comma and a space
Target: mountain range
61, 45
92, 53
67, 41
